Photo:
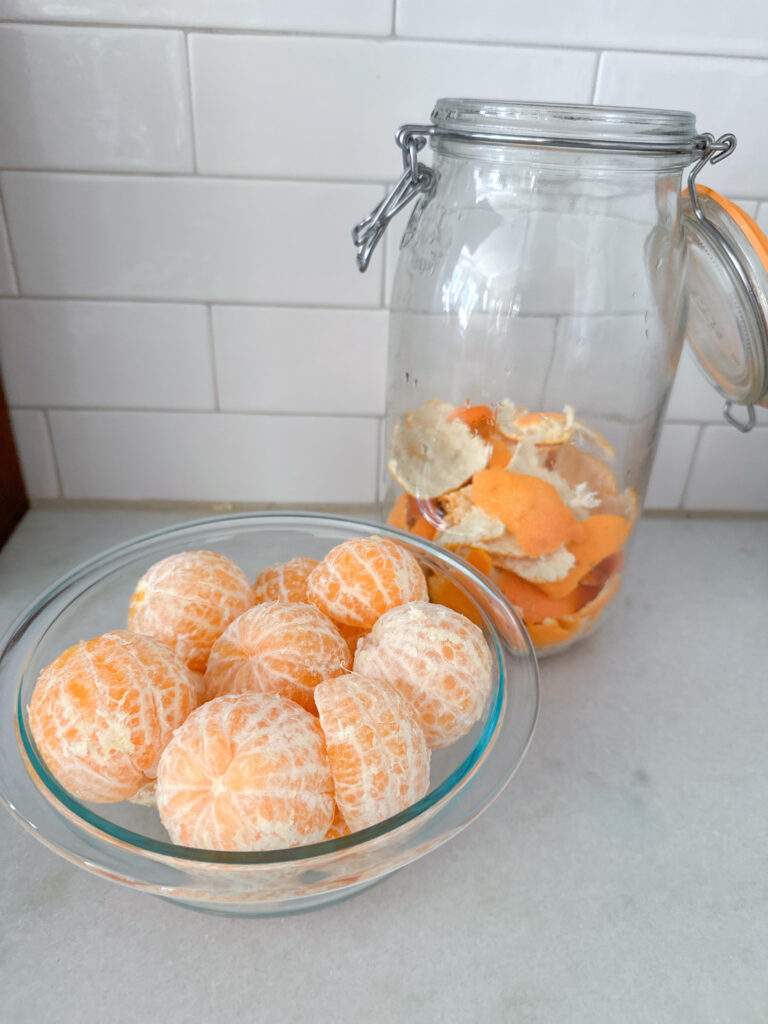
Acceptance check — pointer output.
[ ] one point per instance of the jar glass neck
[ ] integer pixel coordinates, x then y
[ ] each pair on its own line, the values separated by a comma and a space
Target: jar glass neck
604, 126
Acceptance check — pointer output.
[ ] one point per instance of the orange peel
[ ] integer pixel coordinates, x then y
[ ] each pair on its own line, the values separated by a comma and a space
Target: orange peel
481, 419
545, 569
405, 515
555, 631
548, 428
530, 508
579, 497
430, 454
531, 602
602, 536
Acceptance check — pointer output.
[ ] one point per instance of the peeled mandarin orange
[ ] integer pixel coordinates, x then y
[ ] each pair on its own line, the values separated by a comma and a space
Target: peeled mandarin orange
247, 772
103, 711
339, 827
352, 635
285, 581
360, 579
276, 647
188, 600
377, 750
439, 661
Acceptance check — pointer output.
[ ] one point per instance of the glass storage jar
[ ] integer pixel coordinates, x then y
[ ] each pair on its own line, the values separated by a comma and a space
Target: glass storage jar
539, 307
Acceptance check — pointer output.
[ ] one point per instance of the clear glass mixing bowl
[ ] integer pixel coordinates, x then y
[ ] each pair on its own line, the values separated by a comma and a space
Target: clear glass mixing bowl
126, 842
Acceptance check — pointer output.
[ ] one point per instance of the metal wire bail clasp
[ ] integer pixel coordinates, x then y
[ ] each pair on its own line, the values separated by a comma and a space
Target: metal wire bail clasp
416, 178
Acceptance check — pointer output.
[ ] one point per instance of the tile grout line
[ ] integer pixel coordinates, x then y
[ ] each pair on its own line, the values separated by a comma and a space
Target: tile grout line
11, 250
691, 465
192, 118
212, 351
54, 453
393, 30
102, 410
153, 301
389, 37
128, 174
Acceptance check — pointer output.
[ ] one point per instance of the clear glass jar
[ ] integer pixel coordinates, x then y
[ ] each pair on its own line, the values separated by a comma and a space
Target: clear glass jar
537, 317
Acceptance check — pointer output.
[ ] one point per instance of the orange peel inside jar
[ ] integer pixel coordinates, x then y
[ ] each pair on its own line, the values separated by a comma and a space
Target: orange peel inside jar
542, 516
529, 507
602, 536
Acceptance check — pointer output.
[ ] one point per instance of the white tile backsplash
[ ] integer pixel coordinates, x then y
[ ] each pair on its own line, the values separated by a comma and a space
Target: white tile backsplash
188, 239
215, 457
7, 273
130, 355
730, 471
726, 95
372, 17
94, 99
301, 360
740, 27
670, 467
334, 130
693, 397
33, 444
174, 169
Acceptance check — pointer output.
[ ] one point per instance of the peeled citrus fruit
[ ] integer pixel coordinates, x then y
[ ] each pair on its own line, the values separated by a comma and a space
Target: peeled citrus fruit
376, 748
277, 648
360, 579
103, 711
339, 827
285, 581
247, 772
188, 600
439, 661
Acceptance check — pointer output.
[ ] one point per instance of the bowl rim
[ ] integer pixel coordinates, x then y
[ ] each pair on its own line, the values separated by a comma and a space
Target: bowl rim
137, 843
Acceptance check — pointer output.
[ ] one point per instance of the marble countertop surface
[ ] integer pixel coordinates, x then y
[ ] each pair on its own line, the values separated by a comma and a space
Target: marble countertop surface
620, 877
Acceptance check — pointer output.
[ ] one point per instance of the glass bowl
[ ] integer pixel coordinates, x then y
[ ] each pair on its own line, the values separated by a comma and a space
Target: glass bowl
126, 842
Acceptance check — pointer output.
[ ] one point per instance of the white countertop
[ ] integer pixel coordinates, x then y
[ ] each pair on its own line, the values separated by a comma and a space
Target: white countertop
621, 876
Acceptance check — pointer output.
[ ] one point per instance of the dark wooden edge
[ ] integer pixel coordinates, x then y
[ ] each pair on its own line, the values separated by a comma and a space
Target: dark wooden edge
13, 495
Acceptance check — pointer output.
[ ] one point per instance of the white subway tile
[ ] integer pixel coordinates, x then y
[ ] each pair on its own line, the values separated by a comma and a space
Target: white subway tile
33, 443
670, 467
693, 397
727, 95
740, 27
730, 471
301, 360
188, 239
7, 275
216, 457
130, 355
373, 17
93, 99
359, 92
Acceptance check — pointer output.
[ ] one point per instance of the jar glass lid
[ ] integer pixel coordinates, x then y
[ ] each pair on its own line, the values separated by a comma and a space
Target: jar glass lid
728, 296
